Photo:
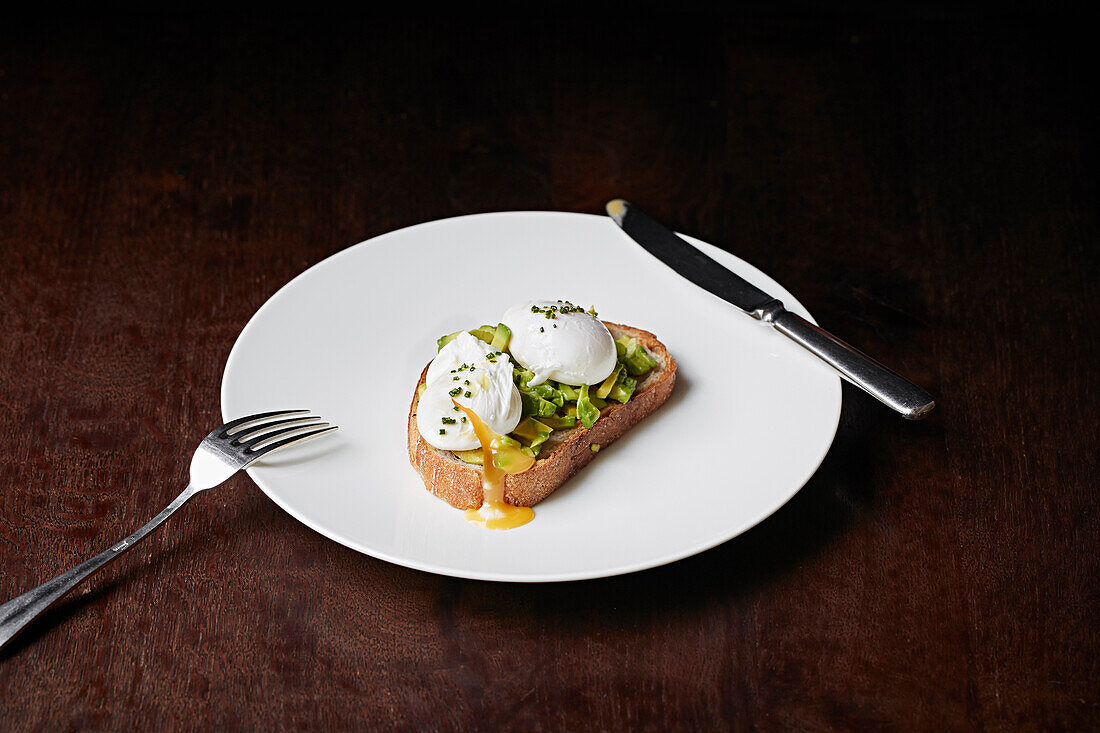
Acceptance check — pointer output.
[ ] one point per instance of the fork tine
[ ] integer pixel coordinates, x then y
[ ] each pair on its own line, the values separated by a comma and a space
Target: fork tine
251, 443
289, 441
224, 430
247, 435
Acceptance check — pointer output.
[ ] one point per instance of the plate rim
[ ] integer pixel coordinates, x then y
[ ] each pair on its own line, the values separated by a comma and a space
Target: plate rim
379, 240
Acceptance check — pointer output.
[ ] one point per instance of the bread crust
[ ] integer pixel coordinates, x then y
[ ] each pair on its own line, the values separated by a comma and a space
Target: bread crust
459, 483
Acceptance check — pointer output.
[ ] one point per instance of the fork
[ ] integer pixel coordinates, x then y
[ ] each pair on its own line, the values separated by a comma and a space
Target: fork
221, 454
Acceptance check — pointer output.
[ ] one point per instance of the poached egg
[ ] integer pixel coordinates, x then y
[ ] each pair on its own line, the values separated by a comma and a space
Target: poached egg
463, 372
558, 340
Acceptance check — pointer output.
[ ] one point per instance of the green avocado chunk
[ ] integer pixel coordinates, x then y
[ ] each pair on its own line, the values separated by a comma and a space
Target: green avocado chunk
609, 383
559, 422
549, 394
521, 376
505, 458
587, 412
485, 333
532, 432
623, 389
475, 456
535, 405
501, 338
634, 356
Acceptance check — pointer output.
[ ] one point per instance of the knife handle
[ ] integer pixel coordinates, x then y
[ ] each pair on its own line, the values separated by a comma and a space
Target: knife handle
888, 387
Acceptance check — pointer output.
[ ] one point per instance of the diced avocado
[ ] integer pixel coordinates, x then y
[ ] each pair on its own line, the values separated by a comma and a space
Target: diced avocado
595, 447
531, 430
501, 337
587, 412
505, 441
569, 392
597, 402
559, 422
485, 333
612, 378
549, 394
641, 363
634, 356
444, 340
571, 411
506, 459
624, 390
522, 376
535, 405
506, 452
475, 456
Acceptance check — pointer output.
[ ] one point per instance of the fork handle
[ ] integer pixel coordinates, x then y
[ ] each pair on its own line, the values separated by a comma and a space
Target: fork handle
21, 610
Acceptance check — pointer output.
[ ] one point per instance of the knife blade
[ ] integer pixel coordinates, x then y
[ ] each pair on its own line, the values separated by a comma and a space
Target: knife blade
885, 385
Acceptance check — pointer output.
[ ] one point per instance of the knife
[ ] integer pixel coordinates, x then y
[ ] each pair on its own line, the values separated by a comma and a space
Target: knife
861, 370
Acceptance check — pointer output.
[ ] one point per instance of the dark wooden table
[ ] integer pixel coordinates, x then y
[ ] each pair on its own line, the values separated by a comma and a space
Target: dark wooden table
926, 183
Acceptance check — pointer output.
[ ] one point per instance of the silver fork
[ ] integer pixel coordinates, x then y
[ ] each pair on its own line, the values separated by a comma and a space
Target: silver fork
221, 454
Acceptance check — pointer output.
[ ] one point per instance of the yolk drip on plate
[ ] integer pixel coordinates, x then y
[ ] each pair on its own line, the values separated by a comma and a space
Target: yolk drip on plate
498, 459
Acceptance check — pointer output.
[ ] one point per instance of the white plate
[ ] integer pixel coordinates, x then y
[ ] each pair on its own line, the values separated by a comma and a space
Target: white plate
750, 420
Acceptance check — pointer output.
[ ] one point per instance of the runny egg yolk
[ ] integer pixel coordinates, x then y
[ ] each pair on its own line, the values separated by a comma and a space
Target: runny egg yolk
499, 459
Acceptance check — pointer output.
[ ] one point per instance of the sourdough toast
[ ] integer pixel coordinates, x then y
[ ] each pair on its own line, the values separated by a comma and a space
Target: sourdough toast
567, 451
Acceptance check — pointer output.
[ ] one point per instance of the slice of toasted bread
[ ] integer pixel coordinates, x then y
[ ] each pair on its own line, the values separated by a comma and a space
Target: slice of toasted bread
567, 451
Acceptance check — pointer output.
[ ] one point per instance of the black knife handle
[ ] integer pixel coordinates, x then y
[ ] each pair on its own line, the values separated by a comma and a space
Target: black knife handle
890, 388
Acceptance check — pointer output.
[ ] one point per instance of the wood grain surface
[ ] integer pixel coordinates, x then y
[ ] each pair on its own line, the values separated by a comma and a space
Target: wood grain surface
924, 181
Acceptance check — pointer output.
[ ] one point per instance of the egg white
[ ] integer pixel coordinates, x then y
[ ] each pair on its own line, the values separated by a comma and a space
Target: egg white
493, 397
571, 348
463, 349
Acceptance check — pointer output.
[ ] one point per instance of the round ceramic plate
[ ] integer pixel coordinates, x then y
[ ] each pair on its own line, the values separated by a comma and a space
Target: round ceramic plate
751, 417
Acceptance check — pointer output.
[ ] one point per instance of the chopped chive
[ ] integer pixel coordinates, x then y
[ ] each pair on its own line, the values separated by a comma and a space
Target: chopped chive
552, 311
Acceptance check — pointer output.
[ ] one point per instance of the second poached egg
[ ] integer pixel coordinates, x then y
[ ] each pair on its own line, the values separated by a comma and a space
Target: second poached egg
558, 340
